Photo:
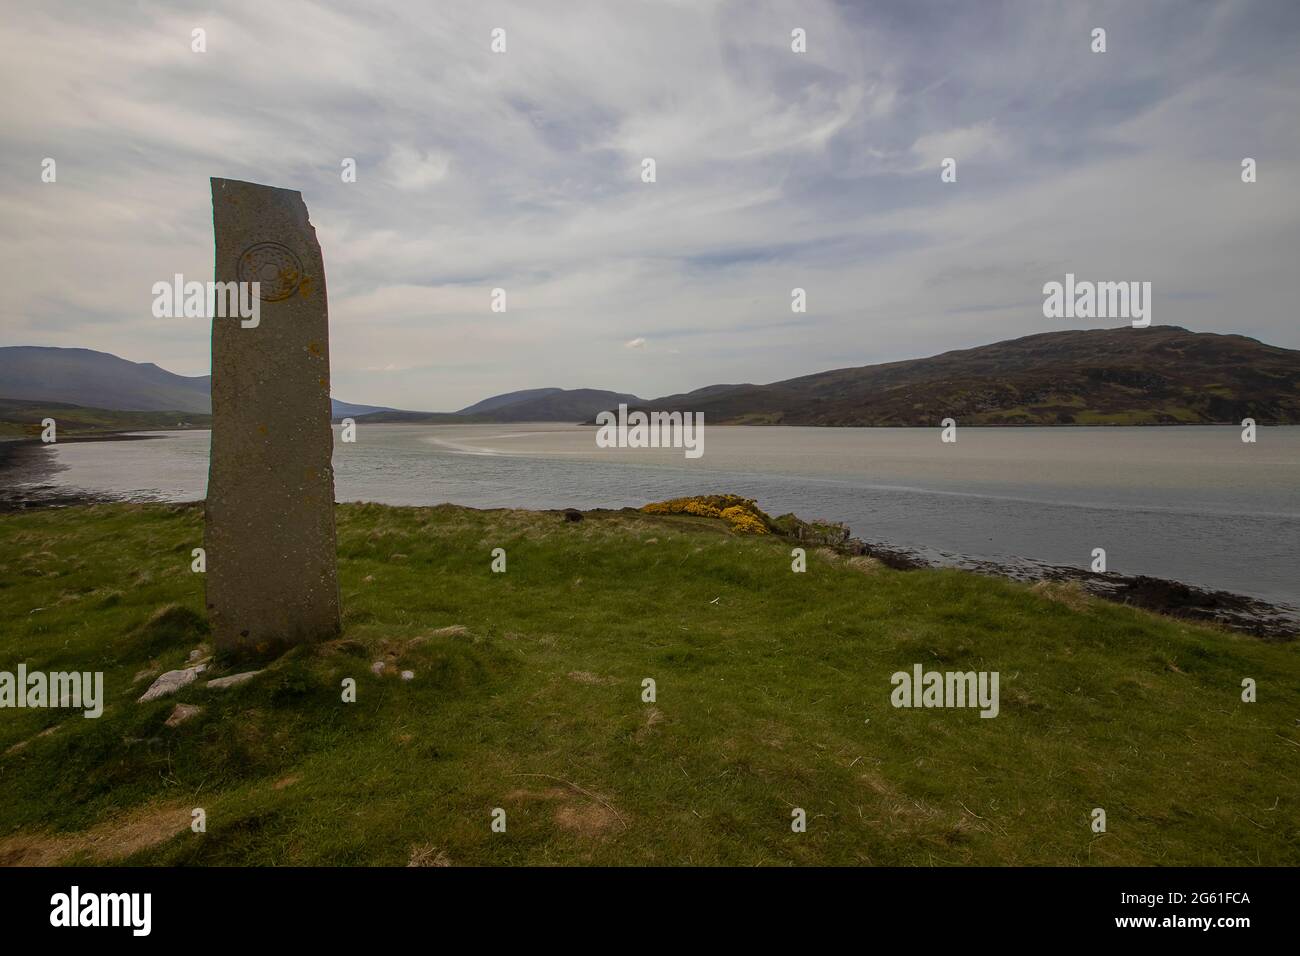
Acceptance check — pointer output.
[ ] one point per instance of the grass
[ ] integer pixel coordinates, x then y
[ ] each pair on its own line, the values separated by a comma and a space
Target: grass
22, 419
772, 693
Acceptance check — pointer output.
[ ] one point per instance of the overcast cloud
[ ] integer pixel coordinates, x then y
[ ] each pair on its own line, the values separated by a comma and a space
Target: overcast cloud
775, 170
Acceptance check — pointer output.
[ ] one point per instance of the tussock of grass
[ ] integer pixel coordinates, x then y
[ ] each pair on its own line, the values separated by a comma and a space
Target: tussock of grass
772, 693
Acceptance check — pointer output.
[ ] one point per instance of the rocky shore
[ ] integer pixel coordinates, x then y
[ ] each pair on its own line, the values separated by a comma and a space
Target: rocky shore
1237, 612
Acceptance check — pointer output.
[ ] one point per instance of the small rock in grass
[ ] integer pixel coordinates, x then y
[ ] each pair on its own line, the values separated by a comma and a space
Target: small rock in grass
23, 743
377, 668
234, 680
182, 713
408, 675
171, 682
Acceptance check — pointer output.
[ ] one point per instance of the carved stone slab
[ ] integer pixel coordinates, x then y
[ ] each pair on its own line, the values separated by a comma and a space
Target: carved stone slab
269, 532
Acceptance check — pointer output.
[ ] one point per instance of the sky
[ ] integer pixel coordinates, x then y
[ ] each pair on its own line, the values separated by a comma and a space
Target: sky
775, 170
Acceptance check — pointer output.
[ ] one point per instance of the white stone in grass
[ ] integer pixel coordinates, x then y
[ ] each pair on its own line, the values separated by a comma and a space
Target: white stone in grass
234, 680
171, 682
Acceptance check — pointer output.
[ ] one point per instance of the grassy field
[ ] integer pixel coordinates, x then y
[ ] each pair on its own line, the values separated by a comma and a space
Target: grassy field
773, 692
22, 419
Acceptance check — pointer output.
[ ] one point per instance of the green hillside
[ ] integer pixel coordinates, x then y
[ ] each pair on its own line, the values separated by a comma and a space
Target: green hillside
1126, 376
23, 419
772, 693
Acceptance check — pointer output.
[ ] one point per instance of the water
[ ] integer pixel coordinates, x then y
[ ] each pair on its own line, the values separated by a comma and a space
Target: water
1191, 504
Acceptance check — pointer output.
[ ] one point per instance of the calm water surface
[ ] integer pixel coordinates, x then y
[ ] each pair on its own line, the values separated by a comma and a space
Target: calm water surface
1192, 504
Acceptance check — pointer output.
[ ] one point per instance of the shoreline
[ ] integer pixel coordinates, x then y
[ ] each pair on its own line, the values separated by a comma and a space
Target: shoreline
26, 467
731, 424
1268, 620
1271, 621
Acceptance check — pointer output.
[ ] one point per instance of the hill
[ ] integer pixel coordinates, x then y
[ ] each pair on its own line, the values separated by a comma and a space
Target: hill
97, 380
772, 692
100, 380
566, 404
508, 398
528, 405
1125, 376
1160, 375
23, 419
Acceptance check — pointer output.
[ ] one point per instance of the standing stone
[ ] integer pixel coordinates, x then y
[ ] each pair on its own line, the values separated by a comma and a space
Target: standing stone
269, 532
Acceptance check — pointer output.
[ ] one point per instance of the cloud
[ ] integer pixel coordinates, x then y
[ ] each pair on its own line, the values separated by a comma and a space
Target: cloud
411, 169
775, 170
968, 144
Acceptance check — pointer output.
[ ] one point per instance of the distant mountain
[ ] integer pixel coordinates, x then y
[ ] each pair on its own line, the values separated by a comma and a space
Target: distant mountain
508, 398
349, 410
98, 380
561, 405
396, 416
528, 405
1126, 376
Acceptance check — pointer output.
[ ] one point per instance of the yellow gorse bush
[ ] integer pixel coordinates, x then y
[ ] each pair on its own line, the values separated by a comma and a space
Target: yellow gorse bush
739, 512
743, 521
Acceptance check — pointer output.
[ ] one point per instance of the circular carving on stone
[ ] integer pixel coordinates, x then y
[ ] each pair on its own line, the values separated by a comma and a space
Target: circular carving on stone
276, 268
